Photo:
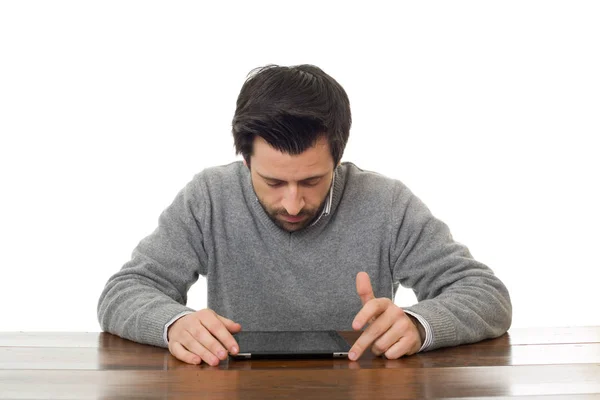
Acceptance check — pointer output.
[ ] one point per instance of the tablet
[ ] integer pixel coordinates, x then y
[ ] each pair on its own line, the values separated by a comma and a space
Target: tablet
290, 344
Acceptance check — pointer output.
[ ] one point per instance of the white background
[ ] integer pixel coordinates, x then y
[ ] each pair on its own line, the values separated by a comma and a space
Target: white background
488, 111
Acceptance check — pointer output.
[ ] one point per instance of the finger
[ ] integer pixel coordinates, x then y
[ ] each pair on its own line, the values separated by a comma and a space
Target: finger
404, 346
368, 337
377, 329
181, 353
370, 312
388, 339
203, 344
401, 326
231, 326
200, 334
217, 328
364, 288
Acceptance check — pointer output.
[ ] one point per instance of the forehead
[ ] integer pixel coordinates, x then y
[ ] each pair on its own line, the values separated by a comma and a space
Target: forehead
270, 162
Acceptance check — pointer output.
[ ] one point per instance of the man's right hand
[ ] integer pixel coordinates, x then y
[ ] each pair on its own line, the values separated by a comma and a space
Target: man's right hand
203, 336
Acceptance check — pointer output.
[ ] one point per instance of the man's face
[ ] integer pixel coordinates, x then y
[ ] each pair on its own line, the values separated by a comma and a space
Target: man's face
291, 189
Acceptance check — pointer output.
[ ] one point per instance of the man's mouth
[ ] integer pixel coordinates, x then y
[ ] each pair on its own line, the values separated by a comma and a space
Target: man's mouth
292, 219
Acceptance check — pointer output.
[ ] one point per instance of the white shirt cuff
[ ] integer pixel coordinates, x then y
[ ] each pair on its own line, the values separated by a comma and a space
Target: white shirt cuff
168, 324
428, 332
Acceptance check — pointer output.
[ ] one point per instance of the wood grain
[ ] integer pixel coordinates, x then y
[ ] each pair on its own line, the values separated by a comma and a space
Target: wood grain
65, 358
548, 363
409, 383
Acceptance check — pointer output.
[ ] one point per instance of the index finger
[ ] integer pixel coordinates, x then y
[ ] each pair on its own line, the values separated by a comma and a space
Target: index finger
369, 312
366, 339
364, 288
216, 326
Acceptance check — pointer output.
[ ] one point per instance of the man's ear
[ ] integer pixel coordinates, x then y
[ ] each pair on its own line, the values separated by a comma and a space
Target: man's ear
246, 163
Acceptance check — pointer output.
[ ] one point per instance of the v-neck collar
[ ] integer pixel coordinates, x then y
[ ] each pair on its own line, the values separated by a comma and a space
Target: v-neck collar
333, 199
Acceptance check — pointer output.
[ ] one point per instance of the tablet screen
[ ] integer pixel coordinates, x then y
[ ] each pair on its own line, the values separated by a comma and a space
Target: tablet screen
291, 342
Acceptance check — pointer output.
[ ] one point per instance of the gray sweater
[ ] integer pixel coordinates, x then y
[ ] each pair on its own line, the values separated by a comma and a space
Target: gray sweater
268, 279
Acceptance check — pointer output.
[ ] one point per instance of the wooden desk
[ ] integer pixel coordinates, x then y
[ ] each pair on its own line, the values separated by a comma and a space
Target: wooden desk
562, 363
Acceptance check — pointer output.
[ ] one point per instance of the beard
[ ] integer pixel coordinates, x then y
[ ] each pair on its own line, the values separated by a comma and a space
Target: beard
308, 215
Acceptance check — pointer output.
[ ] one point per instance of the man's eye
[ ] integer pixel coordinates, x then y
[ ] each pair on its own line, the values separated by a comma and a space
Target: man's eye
311, 183
277, 184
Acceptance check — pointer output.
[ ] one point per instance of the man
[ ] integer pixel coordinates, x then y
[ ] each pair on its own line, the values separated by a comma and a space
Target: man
292, 239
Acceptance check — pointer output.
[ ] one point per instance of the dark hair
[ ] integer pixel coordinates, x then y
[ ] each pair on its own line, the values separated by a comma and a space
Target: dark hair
291, 107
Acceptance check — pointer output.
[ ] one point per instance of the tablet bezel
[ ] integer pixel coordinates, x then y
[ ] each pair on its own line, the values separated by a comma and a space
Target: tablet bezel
341, 351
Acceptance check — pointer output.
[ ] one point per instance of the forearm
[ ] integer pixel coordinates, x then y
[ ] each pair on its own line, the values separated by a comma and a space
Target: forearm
152, 287
134, 309
460, 297
467, 313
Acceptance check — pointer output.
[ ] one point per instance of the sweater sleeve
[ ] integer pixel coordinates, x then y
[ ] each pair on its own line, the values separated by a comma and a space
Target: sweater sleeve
152, 287
461, 298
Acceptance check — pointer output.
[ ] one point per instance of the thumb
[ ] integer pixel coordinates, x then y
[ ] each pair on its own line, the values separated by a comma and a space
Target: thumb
231, 326
364, 288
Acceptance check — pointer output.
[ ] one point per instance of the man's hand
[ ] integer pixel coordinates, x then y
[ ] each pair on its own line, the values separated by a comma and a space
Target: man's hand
391, 331
203, 335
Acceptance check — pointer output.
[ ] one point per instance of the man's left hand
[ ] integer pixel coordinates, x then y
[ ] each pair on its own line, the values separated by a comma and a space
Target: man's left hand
390, 331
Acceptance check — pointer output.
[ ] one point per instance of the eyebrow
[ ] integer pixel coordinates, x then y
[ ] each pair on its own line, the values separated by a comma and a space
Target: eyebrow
280, 180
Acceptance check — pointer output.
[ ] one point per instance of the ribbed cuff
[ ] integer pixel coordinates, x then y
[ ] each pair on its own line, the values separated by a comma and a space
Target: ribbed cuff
152, 323
440, 321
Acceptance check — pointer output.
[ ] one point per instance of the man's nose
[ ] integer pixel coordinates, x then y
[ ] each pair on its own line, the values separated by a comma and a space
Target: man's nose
293, 201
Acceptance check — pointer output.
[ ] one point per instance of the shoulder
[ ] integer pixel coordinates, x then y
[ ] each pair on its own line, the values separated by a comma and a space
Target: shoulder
382, 194
221, 174
215, 187
223, 178
214, 182
370, 184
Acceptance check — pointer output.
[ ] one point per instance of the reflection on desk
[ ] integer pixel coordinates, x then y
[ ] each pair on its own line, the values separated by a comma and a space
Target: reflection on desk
525, 362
